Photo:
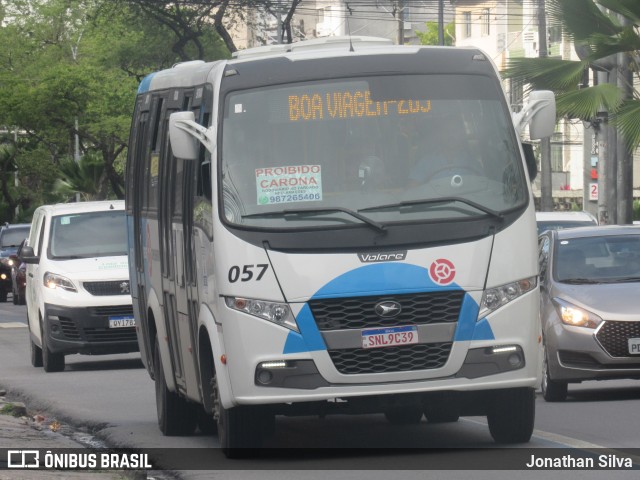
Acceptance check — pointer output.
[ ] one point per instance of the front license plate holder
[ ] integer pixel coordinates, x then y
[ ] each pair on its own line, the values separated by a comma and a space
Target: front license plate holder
634, 346
389, 336
122, 321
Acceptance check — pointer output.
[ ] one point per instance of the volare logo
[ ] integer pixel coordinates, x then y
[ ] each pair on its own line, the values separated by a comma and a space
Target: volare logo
382, 256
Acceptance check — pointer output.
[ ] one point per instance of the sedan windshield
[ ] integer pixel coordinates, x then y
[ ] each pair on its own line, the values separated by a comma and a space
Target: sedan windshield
607, 259
369, 151
88, 235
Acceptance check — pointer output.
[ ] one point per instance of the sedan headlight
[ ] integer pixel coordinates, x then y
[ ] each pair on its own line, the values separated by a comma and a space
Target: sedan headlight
573, 315
494, 298
278, 313
52, 280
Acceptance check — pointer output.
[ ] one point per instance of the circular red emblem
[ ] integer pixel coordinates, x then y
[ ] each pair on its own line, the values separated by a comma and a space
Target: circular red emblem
442, 271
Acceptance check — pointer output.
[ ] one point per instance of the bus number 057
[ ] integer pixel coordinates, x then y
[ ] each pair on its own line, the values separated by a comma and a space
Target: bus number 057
247, 272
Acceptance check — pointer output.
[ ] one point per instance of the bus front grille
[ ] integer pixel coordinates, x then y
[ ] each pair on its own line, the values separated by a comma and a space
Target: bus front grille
359, 312
405, 358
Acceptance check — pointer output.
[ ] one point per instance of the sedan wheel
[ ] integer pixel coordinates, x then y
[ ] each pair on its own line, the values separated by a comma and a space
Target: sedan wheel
552, 390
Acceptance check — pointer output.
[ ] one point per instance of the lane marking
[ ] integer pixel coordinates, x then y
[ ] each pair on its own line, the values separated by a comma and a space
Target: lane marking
13, 325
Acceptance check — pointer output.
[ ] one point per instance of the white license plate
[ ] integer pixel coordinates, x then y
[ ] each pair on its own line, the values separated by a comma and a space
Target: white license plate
389, 337
634, 346
121, 322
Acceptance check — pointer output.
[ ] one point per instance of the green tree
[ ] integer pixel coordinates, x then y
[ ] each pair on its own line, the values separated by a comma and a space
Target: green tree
430, 36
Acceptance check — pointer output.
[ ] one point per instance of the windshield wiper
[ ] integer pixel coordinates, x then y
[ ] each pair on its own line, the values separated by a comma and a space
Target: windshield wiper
578, 281
625, 280
320, 211
436, 201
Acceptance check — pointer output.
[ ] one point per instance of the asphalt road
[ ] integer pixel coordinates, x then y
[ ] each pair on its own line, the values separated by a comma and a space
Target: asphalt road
114, 397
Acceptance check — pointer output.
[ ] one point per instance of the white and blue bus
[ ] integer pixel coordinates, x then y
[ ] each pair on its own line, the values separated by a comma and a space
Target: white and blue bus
335, 226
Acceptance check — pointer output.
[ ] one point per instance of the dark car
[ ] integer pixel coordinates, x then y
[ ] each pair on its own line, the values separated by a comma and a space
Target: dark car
18, 277
11, 236
590, 307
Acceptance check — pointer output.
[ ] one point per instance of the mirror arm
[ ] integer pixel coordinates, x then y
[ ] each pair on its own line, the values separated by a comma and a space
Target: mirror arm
202, 134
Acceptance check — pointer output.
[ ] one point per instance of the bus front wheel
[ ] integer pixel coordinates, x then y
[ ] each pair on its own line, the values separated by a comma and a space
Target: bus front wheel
511, 415
176, 416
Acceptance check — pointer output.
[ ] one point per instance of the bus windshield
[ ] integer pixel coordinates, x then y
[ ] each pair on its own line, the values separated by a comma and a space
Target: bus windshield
385, 148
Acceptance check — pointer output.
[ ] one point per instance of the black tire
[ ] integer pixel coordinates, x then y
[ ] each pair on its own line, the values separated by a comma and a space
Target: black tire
176, 416
52, 362
36, 353
3, 296
511, 415
407, 415
552, 390
241, 429
14, 298
206, 422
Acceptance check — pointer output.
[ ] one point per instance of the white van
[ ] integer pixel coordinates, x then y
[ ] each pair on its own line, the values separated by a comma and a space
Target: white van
78, 296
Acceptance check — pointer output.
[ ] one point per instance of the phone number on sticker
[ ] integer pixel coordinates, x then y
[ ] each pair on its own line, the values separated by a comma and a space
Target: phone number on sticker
296, 197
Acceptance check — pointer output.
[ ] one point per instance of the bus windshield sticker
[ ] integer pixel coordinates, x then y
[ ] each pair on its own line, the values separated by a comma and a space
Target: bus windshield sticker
237, 108
287, 184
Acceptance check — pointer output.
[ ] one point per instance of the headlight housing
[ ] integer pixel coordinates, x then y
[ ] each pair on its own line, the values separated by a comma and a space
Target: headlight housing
276, 312
496, 297
575, 316
53, 281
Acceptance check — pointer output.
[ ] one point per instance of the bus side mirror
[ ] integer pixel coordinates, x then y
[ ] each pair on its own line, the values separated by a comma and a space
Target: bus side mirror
539, 113
28, 256
183, 143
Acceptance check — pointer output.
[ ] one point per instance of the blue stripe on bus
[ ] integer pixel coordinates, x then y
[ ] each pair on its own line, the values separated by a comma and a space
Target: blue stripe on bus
383, 279
145, 84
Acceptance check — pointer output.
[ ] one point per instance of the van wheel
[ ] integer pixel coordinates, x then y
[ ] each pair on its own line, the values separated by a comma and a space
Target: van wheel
176, 416
14, 298
52, 362
407, 415
511, 415
36, 353
240, 429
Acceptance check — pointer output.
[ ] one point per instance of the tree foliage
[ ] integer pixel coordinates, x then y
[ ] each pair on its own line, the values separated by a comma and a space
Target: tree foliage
599, 29
71, 68
430, 36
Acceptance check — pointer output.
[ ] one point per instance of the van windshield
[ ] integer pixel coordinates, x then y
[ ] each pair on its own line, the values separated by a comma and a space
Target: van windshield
300, 155
88, 235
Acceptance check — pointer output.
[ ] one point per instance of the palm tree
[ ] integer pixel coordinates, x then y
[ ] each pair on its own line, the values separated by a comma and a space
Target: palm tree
603, 32
83, 177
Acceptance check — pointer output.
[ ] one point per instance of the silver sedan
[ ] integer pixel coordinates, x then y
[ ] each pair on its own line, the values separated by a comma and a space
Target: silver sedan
590, 306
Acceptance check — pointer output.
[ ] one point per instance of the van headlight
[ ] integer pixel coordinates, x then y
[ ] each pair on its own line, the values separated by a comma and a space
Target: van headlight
496, 297
278, 313
53, 281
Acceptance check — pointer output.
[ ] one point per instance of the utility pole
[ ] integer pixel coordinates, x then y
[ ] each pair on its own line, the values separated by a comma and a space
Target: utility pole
546, 180
440, 22
400, 10
625, 156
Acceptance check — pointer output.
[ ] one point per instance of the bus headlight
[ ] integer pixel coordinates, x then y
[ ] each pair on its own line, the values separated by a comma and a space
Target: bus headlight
51, 280
494, 298
278, 313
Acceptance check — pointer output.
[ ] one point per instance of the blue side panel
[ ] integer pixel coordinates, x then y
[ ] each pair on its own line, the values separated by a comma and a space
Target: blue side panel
384, 279
145, 84
483, 331
309, 338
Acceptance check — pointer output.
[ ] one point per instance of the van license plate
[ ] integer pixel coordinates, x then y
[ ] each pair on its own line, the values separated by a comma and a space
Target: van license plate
634, 346
121, 322
389, 337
